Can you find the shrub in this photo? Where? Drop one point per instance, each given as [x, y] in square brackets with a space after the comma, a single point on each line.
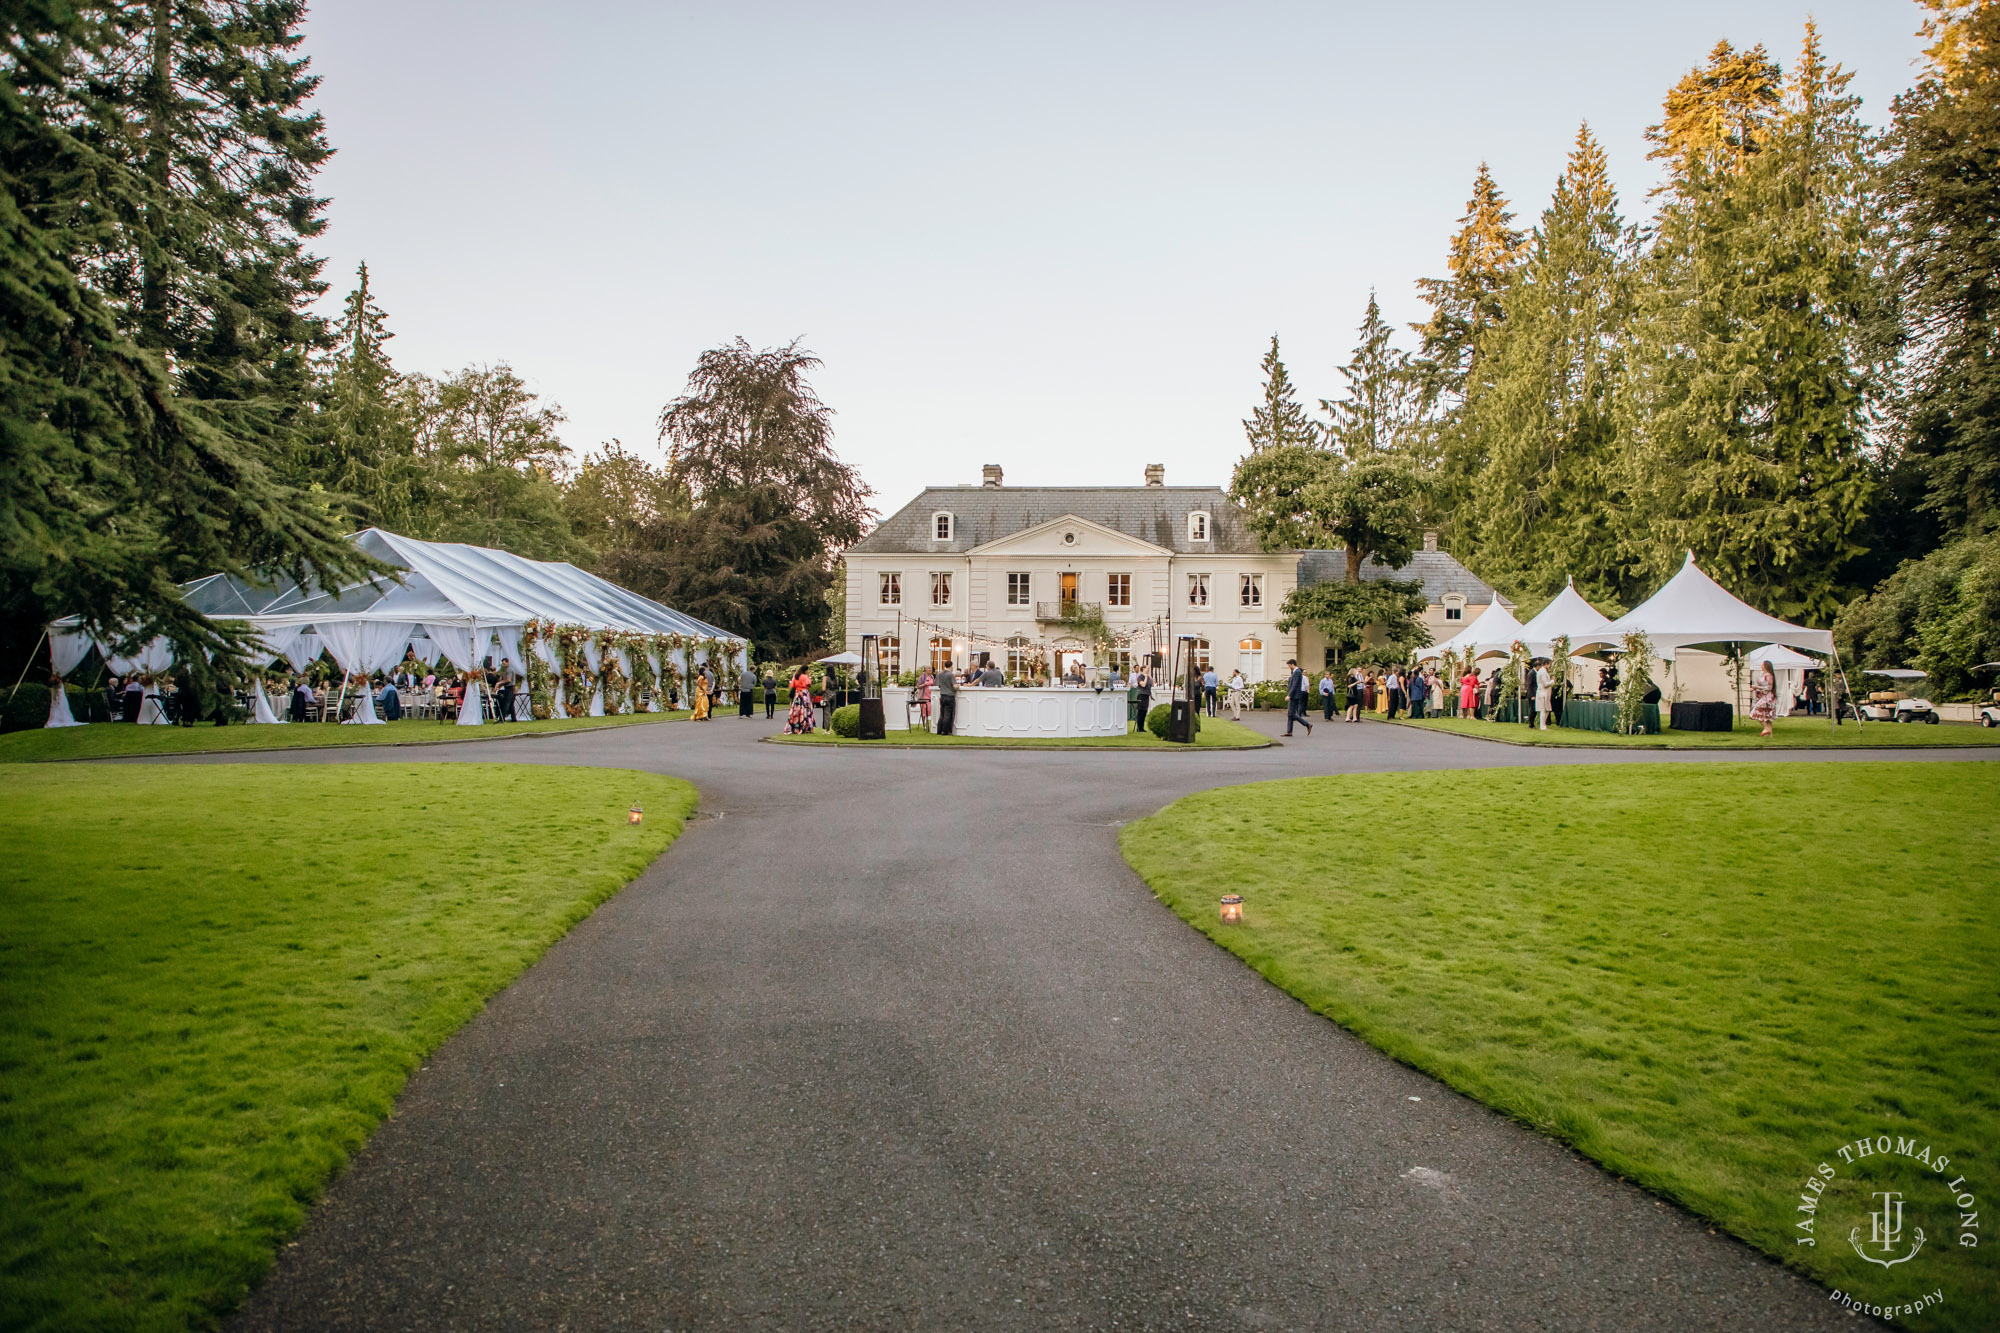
[1156, 721]
[846, 720]
[28, 708]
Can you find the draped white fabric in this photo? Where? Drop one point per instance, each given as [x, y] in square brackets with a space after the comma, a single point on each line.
[278, 642]
[151, 712]
[153, 658]
[591, 659]
[366, 645]
[260, 704]
[59, 714]
[66, 649]
[456, 642]
[303, 651]
[364, 710]
[510, 649]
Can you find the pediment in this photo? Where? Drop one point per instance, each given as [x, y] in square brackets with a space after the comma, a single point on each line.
[1069, 535]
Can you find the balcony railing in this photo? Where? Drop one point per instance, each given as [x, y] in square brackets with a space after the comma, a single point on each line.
[1069, 609]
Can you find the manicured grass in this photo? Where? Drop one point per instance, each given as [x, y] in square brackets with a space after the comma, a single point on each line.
[1789, 733]
[214, 981]
[1707, 977]
[103, 740]
[1215, 734]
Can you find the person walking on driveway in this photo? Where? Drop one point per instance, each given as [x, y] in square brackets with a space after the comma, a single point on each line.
[1328, 693]
[746, 692]
[1295, 698]
[770, 694]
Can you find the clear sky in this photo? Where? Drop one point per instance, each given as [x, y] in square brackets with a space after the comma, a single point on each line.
[1055, 237]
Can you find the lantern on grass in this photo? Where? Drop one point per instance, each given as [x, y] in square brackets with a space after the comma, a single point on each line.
[1232, 909]
[634, 815]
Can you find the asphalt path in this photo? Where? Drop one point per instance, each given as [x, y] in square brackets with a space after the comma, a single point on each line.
[896, 1040]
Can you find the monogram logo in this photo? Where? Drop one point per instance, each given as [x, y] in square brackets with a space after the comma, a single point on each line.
[1885, 1231]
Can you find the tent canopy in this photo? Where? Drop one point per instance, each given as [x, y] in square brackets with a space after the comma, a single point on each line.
[444, 591]
[842, 659]
[1493, 633]
[1568, 615]
[1781, 658]
[1693, 610]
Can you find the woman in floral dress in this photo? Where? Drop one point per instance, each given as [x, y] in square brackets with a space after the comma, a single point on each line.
[1764, 696]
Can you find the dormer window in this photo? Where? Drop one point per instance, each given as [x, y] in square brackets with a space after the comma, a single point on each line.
[1198, 526]
[1454, 607]
[941, 526]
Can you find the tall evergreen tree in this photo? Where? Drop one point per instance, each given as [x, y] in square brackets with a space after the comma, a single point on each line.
[158, 160]
[1946, 177]
[1538, 419]
[1481, 261]
[1278, 421]
[1757, 356]
[1379, 410]
[361, 445]
[1719, 115]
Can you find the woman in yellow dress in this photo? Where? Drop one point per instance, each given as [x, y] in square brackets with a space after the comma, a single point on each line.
[700, 696]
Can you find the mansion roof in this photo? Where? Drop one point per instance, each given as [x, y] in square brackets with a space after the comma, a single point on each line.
[1440, 572]
[982, 514]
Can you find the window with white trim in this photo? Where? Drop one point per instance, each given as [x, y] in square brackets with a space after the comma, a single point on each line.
[1197, 590]
[1454, 607]
[940, 587]
[941, 653]
[941, 526]
[1201, 657]
[892, 589]
[1021, 659]
[1020, 589]
[1198, 526]
[1251, 588]
[1119, 590]
[889, 650]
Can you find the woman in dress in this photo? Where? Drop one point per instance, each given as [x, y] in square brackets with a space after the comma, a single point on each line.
[799, 721]
[700, 697]
[1544, 696]
[1764, 696]
[1468, 692]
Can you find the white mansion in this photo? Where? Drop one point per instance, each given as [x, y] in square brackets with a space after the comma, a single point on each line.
[1025, 572]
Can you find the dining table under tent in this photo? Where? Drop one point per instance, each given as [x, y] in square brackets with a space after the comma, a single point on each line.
[464, 604]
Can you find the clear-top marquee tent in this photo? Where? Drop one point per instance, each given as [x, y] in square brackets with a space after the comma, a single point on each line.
[464, 603]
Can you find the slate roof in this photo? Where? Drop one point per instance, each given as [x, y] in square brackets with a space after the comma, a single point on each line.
[981, 514]
[1441, 574]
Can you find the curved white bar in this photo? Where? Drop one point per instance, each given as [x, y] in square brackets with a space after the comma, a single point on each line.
[1037, 713]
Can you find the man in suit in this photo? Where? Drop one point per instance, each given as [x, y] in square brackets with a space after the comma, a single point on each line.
[1295, 701]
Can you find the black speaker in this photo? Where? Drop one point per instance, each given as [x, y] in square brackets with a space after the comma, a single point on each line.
[1180, 723]
[870, 727]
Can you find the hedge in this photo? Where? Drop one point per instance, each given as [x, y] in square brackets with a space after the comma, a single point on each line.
[28, 707]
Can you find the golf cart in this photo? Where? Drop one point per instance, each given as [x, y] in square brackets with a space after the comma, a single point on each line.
[1895, 704]
[1988, 709]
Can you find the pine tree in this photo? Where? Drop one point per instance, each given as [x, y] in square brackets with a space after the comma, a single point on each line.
[1279, 420]
[1379, 410]
[361, 445]
[1538, 418]
[1718, 116]
[1484, 253]
[154, 229]
[1946, 177]
[1757, 355]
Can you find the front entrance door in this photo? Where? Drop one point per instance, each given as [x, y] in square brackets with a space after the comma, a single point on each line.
[1069, 590]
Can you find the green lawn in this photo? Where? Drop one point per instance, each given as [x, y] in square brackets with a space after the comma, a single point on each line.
[112, 739]
[1790, 733]
[1215, 734]
[1707, 977]
[215, 980]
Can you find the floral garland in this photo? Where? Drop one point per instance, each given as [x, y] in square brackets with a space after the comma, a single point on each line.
[1559, 667]
[1635, 678]
[644, 681]
[541, 686]
[1513, 677]
[611, 676]
[577, 681]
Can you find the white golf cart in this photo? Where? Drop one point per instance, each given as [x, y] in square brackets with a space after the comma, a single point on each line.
[1988, 709]
[1895, 704]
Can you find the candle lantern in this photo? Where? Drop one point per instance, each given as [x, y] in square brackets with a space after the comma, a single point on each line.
[1232, 909]
[634, 815]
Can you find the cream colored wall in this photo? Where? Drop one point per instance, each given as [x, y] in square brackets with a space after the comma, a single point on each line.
[979, 597]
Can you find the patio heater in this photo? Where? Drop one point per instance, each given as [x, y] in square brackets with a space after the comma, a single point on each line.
[1180, 722]
[871, 726]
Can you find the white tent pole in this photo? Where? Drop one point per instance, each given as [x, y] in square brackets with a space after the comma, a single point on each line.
[30, 662]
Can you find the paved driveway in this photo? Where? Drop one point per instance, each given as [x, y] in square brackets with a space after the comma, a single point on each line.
[896, 1040]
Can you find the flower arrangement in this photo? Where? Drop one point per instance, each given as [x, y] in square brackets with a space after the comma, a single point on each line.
[1559, 665]
[1635, 678]
[1513, 677]
[578, 682]
[644, 679]
[611, 676]
[541, 686]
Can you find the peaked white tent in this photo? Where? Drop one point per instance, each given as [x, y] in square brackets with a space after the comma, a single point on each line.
[1693, 610]
[1569, 615]
[447, 598]
[1493, 634]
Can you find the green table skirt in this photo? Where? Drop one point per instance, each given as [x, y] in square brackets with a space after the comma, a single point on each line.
[1602, 715]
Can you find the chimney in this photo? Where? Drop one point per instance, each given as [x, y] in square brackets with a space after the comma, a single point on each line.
[1156, 474]
[1430, 541]
[990, 475]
